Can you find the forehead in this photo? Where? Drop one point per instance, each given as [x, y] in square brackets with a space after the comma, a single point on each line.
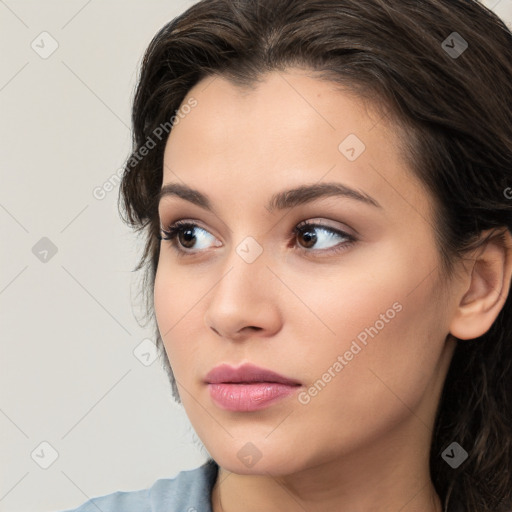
[289, 128]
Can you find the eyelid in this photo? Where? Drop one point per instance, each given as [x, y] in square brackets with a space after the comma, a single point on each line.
[186, 220]
[344, 229]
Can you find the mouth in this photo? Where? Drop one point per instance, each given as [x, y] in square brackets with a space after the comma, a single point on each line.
[246, 374]
[248, 388]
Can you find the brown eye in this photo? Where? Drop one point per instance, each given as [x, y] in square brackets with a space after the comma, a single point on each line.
[186, 237]
[317, 237]
[309, 237]
[183, 237]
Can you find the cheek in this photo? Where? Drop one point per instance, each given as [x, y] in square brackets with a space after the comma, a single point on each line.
[177, 300]
[388, 342]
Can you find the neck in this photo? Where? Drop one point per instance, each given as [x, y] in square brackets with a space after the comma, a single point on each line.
[384, 476]
[242, 493]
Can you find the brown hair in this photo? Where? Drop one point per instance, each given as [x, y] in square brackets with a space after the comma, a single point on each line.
[452, 102]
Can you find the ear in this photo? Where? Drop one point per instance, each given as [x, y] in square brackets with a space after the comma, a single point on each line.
[485, 287]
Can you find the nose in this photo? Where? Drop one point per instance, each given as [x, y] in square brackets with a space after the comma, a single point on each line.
[244, 302]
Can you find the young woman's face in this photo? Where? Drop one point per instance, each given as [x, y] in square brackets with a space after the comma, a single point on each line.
[347, 308]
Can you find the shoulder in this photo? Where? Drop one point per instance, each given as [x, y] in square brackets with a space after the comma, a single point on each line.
[189, 491]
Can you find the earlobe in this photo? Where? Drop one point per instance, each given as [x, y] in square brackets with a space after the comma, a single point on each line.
[485, 289]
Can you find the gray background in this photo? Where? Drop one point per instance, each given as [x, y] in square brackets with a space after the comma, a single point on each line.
[76, 373]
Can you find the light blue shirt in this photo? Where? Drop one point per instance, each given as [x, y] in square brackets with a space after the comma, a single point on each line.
[188, 491]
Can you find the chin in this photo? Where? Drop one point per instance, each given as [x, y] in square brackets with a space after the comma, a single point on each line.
[258, 459]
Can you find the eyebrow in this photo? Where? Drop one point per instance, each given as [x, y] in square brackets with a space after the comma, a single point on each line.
[279, 201]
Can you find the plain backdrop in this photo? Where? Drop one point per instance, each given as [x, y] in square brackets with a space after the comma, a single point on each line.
[85, 409]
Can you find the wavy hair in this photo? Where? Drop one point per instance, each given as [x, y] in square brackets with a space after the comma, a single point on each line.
[453, 106]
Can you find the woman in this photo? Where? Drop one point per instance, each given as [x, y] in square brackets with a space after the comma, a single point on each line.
[328, 253]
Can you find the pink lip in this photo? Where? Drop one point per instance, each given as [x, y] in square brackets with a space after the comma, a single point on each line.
[247, 388]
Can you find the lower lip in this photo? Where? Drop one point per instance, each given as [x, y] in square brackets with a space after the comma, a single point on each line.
[249, 397]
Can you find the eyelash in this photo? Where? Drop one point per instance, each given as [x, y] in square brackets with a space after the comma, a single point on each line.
[173, 230]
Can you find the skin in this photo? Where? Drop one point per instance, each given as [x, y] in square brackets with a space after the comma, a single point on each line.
[362, 443]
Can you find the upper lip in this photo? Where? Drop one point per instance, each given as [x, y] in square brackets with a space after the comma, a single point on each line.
[225, 373]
